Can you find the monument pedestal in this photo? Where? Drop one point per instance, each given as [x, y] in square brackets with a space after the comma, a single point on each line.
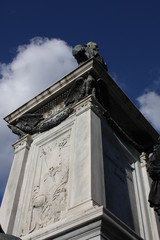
[77, 175]
[96, 223]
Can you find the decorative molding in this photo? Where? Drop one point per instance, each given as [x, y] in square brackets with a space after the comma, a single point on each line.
[24, 142]
[87, 222]
[54, 106]
[33, 123]
[82, 88]
[83, 105]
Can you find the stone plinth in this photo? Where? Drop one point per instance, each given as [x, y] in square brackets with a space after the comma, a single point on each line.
[78, 175]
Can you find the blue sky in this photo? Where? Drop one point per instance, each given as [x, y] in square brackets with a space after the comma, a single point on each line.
[127, 33]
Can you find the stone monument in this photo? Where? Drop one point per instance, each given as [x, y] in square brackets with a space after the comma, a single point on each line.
[79, 169]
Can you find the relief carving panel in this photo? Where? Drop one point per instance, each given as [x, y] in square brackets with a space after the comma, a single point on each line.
[48, 202]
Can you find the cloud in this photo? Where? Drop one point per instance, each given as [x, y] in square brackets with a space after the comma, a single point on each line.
[36, 66]
[149, 105]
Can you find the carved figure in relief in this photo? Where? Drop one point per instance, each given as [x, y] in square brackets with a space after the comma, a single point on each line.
[47, 208]
[38, 201]
[51, 173]
[49, 198]
[81, 88]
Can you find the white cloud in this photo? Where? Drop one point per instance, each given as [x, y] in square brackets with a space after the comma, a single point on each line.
[150, 107]
[35, 67]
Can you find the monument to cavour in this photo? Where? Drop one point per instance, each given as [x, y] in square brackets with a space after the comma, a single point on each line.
[80, 164]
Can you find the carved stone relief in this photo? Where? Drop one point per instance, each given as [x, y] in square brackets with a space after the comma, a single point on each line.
[33, 123]
[48, 201]
[53, 107]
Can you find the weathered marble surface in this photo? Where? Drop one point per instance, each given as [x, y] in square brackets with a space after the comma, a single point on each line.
[71, 170]
[64, 179]
[13, 190]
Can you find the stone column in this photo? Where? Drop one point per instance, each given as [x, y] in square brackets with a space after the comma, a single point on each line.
[148, 215]
[87, 178]
[11, 196]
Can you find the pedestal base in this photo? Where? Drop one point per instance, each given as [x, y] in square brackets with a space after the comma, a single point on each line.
[96, 223]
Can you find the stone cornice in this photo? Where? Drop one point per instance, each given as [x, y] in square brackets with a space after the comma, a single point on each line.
[119, 106]
[51, 92]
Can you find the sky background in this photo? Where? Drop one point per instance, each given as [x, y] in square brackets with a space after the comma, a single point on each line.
[36, 41]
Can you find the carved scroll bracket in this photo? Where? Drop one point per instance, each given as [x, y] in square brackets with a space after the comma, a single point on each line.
[24, 142]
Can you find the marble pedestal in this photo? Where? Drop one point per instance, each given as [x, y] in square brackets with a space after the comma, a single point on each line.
[79, 180]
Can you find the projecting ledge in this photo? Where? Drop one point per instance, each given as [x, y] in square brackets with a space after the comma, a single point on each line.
[95, 222]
